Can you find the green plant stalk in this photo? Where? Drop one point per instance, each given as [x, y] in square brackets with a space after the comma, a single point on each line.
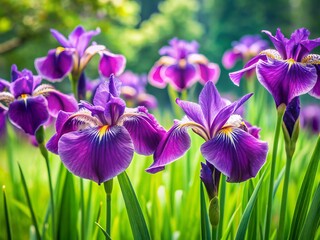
[222, 198]
[214, 233]
[205, 230]
[83, 225]
[74, 85]
[108, 189]
[6, 213]
[280, 232]
[280, 111]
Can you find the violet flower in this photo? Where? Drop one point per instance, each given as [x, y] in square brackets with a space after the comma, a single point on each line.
[29, 105]
[104, 135]
[181, 66]
[229, 147]
[310, 118]
[133, 90]
[74, 54]
[290, 70]
[247, 47]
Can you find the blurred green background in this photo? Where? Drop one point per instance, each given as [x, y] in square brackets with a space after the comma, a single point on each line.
[139, 28]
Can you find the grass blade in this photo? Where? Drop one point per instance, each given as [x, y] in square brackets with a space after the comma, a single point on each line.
[33, 216]
[137, 221]
[103, 231]
[205, 227]
[6, 213]
[304, 197]
[247, 212]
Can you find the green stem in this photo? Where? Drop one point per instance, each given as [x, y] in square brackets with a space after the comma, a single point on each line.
[74, 86]
[280, 111]
[108, 189]
[284, 198]
[205, 229]
[6, 212]
[83, 225]
[214, 233]
[222, 198]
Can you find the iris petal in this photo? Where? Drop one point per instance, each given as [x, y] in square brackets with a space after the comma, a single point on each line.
[236, 154]
[315, 91]
[230, 58]
[209, 72]
[111, 64]
[23, 85]
[155, 77]
[29, 114]
[192, 110]
[101, 154]
[60, 38]
[286, 80]
[114, 110]
[173, 145]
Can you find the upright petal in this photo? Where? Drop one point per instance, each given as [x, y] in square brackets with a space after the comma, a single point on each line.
[236, 154]
[4, 85]
[192, 110]
[60, 38]
[173, 145]
[209, 72]
[285, 80]
[23, 85]
[155, 77]
[279, 41]
[114, 110]
[29, 113]
[111, 64]
[230, 58]
[84, 40]
[98, 154]
[291, 115]
[55, 66]
[144, 130]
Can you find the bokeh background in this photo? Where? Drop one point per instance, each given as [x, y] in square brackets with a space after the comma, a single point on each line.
[139, 28]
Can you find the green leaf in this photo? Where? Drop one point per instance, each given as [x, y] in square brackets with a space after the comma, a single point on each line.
[33, 216]
[312, 221]
[205, 227]
[247, 212]
[228, 230]
[136, 218]
[103, 231]
[6, 213]
[304, 197]
[67, 221]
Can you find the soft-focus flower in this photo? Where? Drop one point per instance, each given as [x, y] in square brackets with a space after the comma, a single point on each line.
[290, 70]
[247, 47]
[181, 66]
[28, 104]
[310, 118]
[229, 147]
[104, 135]
[74, 54]
[133, 90]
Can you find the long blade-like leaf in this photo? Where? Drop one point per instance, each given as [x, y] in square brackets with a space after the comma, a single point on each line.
[6, 213]
[103, 231]
[205, 227]
[304, 197]
[137, 221]
[247, 212]
[33, 216]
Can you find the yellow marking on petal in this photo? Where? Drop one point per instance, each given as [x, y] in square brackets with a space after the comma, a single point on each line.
[271, 53]
[182, 63]
[311, 59]
[226, 130]
[102, 131]
[59, 50]
[24, 96]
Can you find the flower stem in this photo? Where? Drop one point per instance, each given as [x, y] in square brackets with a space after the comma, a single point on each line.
[108, 189]
[280, 111]
[284, 198]
[83, 225]
[214, 233]
[74, 86]
[222, 198]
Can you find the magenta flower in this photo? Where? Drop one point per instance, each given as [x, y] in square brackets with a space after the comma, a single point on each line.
[28, 104]
[74, 54]
[290, 70]
[133, 90]
[104, 135]
[247, 47]
[310, 118]
[181, 66]
[229, 147]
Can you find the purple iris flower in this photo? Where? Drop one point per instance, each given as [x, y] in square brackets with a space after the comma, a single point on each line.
[229, 147]
[182, 66]
[247, 47]
[310, 118]
[104, 135]
[74, 54]
[30, 105]
[290, 70]
[133, 90]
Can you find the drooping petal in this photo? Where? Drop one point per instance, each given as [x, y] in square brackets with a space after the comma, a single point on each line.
[144, 130]
[29, 113]
[55, 66]
[249, 66]
[236, 154]
[180, 77]
[99, 153]
[315, 91]
[230, 58]
[155, 77]
[4, 85]
[111, 64]
[210, 102]
[285, 80]
[209, 72]
[192, 110]
[114, 110]
[60, 38]
[173, 145]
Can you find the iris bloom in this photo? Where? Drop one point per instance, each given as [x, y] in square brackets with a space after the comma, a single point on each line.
[133, 89]
[104, 135]
[181, 66]
[310, 118]
[247, 47]
[74, 54]
[28, 104]
[228, 146]
[289, 70]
